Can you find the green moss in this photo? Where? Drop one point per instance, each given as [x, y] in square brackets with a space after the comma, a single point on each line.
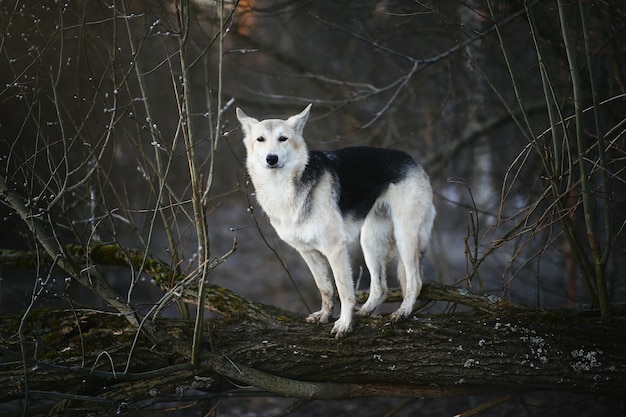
[19, 259]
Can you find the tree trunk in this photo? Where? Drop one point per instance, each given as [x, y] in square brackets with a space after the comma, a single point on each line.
[79, 358]
[89, 361]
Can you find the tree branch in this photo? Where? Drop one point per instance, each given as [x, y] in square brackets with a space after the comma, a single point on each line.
[219, 299]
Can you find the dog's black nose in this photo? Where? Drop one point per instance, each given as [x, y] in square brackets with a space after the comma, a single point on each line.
[271, 159]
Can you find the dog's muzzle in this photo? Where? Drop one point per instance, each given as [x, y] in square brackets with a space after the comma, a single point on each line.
[272, 161]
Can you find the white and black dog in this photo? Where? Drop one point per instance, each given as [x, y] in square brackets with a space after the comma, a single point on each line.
[319, 203]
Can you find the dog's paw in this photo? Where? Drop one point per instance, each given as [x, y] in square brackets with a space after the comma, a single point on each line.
[341, 328]
[363, 312]
[399, 315]
[319, 317]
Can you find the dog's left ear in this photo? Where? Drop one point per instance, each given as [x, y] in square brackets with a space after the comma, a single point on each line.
[298, 121]
[245, 120]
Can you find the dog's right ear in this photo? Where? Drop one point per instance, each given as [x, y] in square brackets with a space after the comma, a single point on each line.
[246, 121]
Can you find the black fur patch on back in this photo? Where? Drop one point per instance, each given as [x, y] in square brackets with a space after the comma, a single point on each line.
[360, 174]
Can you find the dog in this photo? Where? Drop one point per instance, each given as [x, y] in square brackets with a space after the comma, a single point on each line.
[319, 202]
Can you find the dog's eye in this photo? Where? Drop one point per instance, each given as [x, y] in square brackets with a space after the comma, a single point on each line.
[260, 139]
[282, 138]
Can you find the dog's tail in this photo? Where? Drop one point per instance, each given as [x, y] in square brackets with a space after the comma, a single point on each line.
[426, 228]
[424, 235]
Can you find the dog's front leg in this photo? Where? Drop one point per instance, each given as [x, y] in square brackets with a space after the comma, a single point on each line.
[340, 264]
[321, 273]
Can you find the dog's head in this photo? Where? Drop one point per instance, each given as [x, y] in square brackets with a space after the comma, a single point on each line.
[274, 143]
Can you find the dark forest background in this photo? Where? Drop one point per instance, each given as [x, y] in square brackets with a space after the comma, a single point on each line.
[117, 126]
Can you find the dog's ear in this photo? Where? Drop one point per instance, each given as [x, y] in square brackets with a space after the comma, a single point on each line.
[298, 121]
[246, 121]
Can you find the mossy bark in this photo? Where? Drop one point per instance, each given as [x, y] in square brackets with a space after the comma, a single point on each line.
[90, 361]
[80, 358]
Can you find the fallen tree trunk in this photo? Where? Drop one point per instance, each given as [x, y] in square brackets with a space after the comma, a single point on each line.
[89, 361]
[93, 359]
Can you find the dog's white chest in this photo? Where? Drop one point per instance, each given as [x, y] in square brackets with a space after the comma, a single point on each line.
[303, 221]
[300, 236]
[291, 222]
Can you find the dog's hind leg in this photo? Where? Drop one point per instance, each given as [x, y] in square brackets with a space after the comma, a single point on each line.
[408, 249]
[376, 242]
[322, 274]
[411, 230]
[412, 213]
